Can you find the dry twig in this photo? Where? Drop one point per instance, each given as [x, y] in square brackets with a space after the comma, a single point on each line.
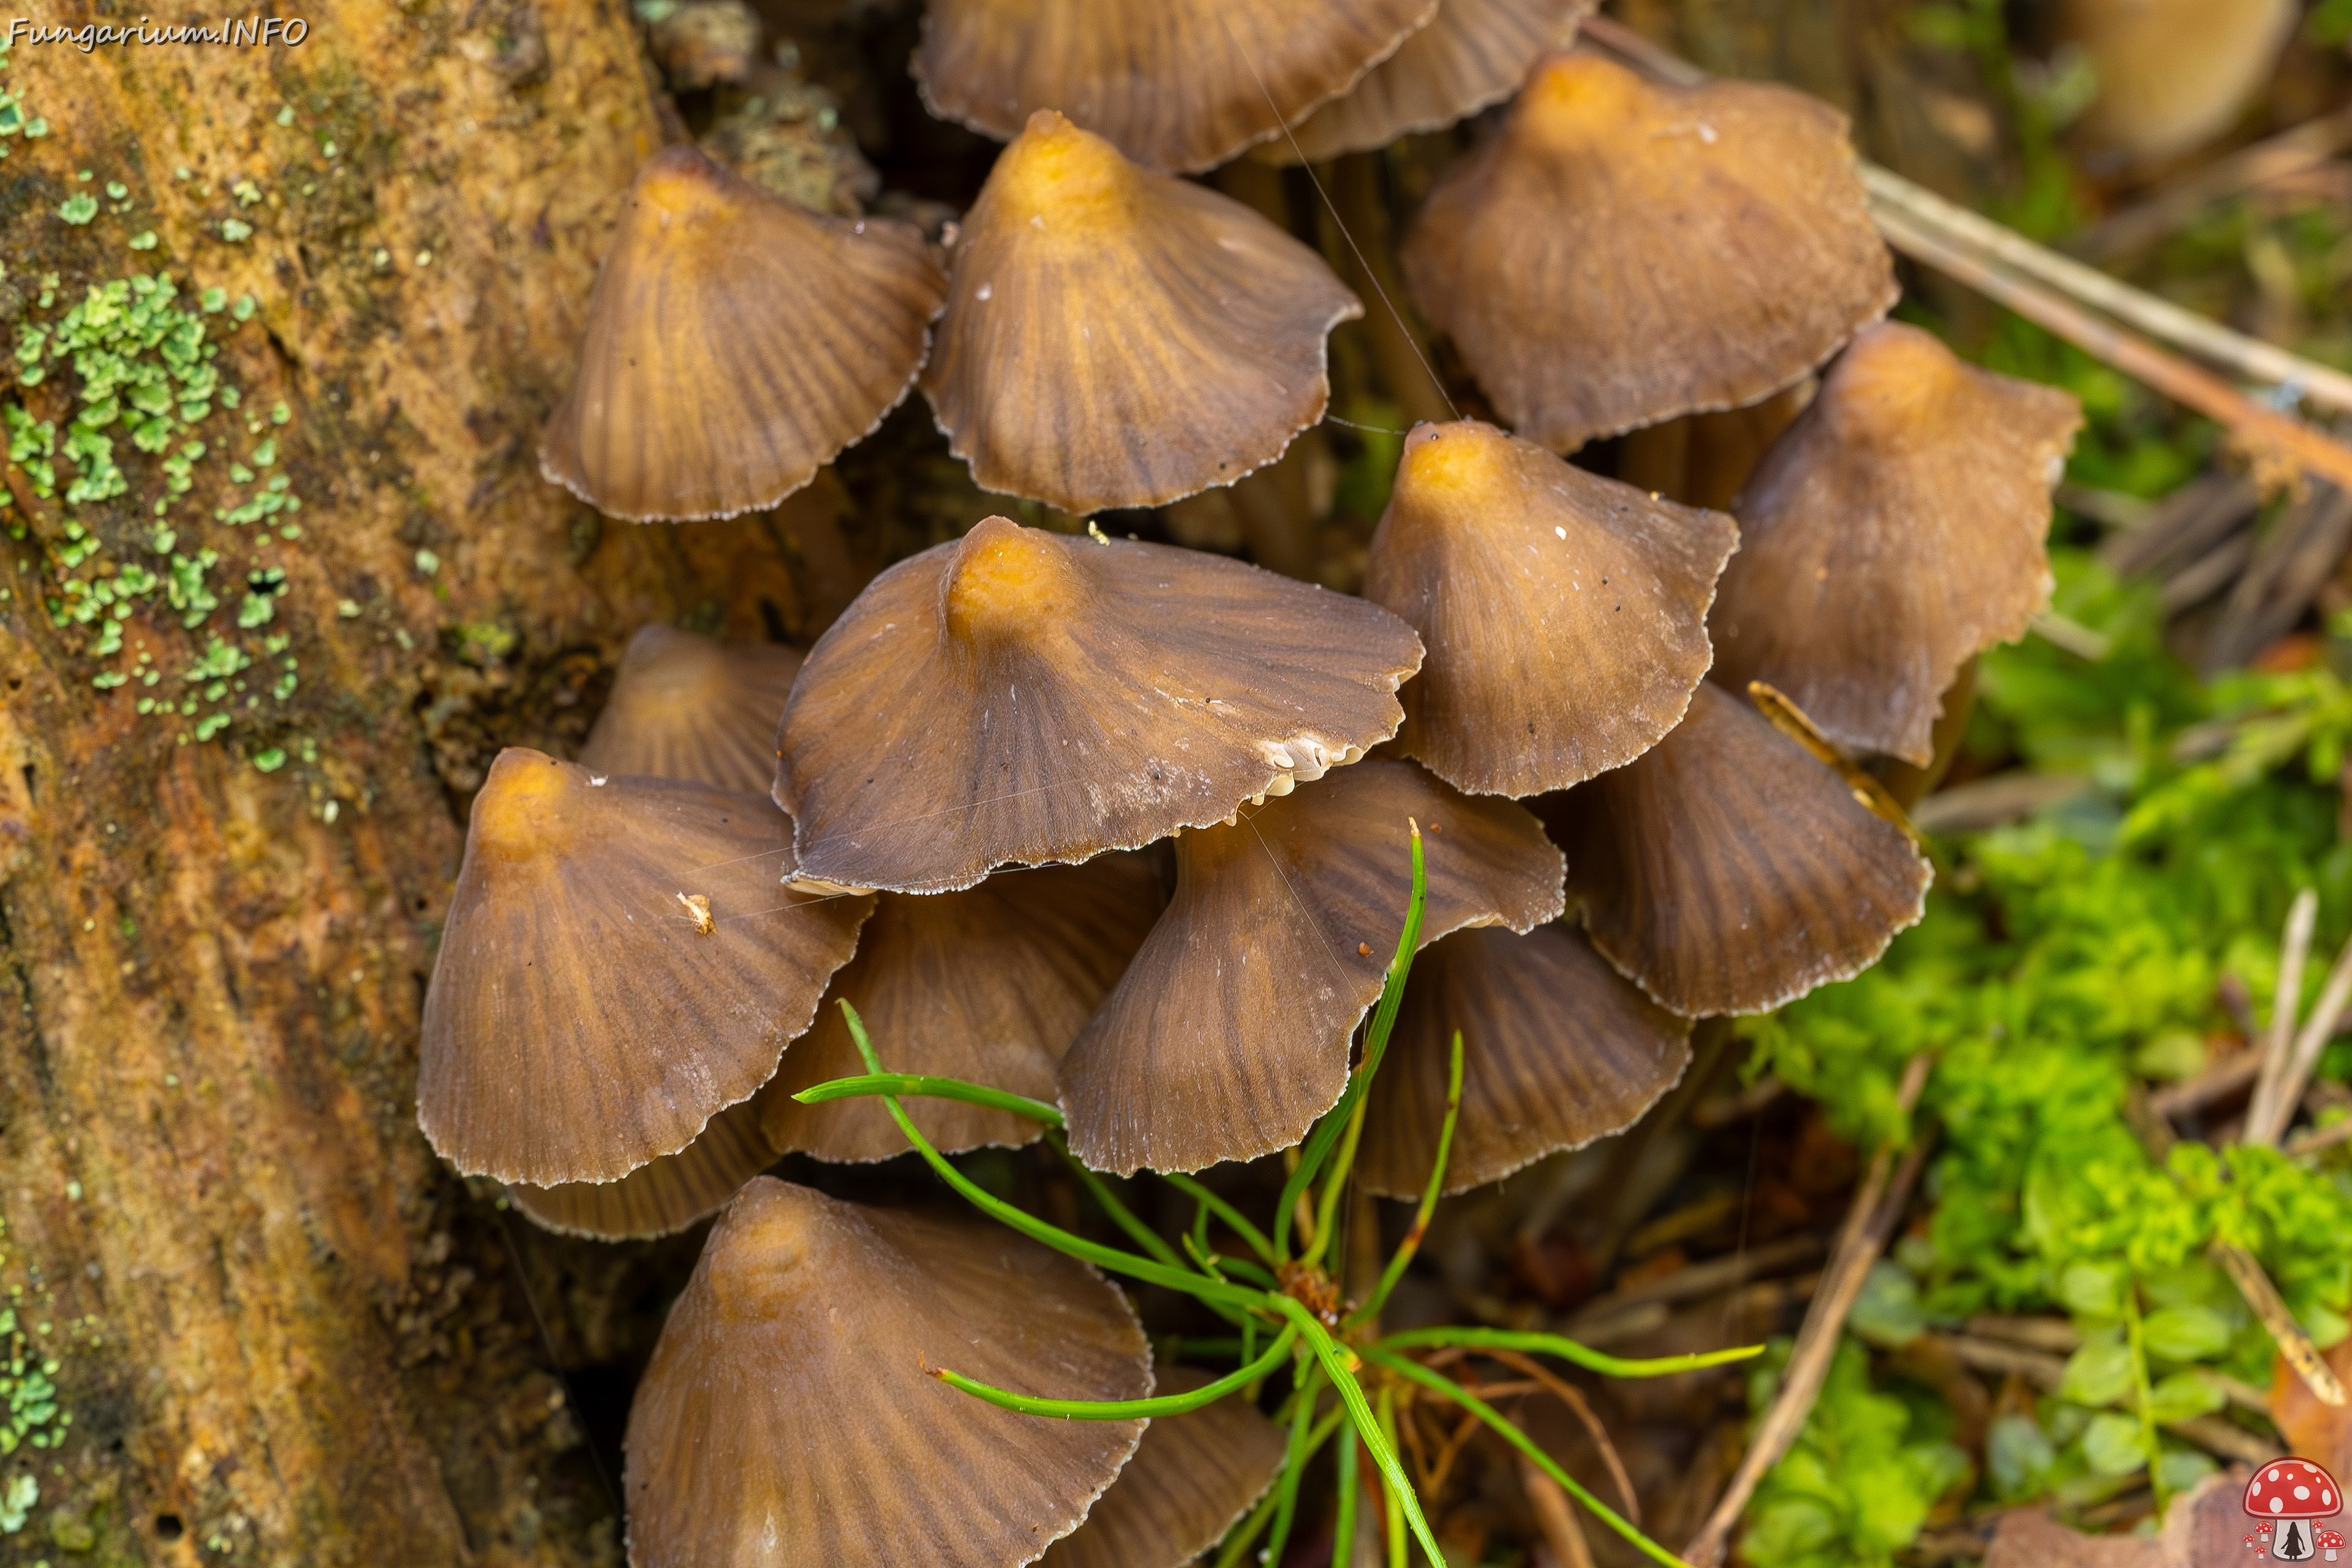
[1877, 1207]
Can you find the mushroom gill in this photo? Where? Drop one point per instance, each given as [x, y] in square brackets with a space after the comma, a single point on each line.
[1015, 696]
[1892, 534]
[735, 342]
[990, 985]
[1558, 1049]
[621, 962]
[1228, 1035]
[1563, 615]
[1180, 85]
[1726, 870]
[789, 1417]
[683, 706]
[1119, 338]
[1473, 53]
[1624, 252]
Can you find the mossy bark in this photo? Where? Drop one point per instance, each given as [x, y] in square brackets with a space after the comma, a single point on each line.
[283, 1332]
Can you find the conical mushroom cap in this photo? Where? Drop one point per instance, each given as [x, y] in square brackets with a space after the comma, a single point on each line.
[1016, 697]
[788, 1418]
[581, 1022]
[1893, 532]
[685, 708]
[1564, 615]
[1180, 85]
[1558, 1049]
[990, 985]
[1471, 54]
[1228, 1035]
[735, 342]
[665, 1196]
[1625, 252]
[1119, 338]
[1726, 870]
[1192, 1478]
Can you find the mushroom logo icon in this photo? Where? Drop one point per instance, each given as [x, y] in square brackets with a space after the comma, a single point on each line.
[2331, 1541]
[2291, 1493]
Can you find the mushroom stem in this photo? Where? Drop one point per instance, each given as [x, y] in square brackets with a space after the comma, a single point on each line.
[1878, 1207]
[1400, 346]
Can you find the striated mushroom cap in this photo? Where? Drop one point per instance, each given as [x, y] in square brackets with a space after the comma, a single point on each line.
[1192, 1478]
[582, 1021]
[1228, 1035]
[1726, 870]
[665, 1196]
[787, 1417]
[1892, 533]
[683, 706]
[1558, 1049]
[1119, 338]
[990, 985]
[1014, 697]
[1624, 252]
[1473, 53]
[1564, 615]
[1180, 85]
[735, 342]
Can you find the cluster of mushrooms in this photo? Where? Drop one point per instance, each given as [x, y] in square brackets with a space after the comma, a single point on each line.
[1126, 826]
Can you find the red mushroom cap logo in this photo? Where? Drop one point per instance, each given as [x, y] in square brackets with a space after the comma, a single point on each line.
[2293, 1488]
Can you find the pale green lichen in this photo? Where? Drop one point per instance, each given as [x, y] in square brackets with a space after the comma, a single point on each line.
[78, 209]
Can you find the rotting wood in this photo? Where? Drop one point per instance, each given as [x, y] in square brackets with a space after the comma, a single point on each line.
[314, 1348]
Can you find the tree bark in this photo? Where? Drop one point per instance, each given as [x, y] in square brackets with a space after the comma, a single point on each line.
[283, 1332]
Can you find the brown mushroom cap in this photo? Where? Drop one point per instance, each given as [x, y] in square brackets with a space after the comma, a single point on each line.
[1564, 615]
[1892, 533]
[1180, 85]
[665, 1196]
[1192, 1478]
[579, 1023]
[1117, 338]
[1228, 1035]
[787, 1419]
[1625, 252]
[1016, 697]
[1726, 870]
[1471, 54]
[990, 985]
[736, 344]
[683, 706]
[1558, 1049]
